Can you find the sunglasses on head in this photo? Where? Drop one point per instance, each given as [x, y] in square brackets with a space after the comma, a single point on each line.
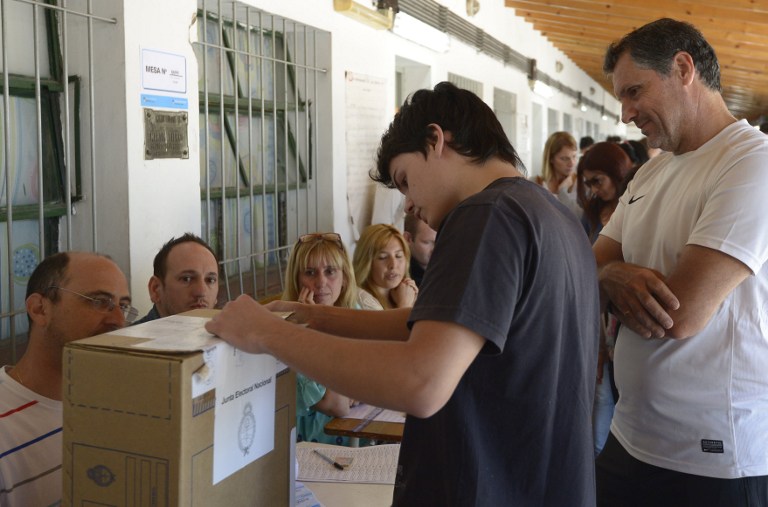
[321, 236]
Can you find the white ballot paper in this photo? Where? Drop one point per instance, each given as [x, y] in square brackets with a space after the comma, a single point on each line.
[245, 409]
[174, 333]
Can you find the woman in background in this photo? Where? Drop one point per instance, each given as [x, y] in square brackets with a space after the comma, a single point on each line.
[601, 179]
[381, 263]
[602, 173]
[319, 272]
[557, 175]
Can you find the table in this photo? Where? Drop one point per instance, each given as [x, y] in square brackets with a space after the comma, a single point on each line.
[373, 430]
[336, 494]
[340, 494]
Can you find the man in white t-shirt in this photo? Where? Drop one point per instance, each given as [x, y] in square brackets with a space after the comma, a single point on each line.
[70, 295]
[680, 265]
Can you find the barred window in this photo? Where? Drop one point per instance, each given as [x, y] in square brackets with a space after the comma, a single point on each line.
[261, 79]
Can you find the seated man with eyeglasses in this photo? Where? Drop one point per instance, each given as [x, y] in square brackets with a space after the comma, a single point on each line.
[70, 295]
[186, 277]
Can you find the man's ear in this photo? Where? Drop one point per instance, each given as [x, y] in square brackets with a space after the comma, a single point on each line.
[38, 308]
[408, 237]
[682, 64]
[155, 287]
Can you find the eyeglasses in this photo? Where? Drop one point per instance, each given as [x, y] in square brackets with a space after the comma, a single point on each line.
[104, 304]
[322, 236]
[597, 181]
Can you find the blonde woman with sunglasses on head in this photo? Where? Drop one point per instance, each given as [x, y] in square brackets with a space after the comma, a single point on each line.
[319, 272]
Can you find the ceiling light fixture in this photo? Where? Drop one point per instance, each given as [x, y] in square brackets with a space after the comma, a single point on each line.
[380, 19]
[541, 89]
[421, 33]
[579, 104]
[538, 87]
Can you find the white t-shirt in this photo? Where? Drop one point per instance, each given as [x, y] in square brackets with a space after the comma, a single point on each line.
[699, 405]
[30, 446]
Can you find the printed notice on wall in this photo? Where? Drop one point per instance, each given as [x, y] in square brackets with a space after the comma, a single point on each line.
[244, 427]
[366, 121]
[163, 71]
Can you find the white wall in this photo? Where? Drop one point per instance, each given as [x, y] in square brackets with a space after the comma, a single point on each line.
[163, 194]
[361, 49]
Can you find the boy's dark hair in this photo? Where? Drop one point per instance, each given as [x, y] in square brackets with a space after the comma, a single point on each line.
[161, 259]
[475, 130]
[652, 46]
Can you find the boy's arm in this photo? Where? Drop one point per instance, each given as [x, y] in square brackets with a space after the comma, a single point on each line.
[417, 376]
[369, 324]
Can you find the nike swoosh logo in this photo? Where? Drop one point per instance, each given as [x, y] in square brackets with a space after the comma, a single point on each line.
[635, 199]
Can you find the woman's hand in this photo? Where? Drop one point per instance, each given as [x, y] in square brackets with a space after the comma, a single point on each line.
[568, 183]
[404, 295]
[307, 296]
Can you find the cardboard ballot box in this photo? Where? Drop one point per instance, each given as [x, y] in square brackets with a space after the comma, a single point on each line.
[139, 429]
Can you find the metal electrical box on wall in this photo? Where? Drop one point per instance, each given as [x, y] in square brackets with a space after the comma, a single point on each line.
[165, 134]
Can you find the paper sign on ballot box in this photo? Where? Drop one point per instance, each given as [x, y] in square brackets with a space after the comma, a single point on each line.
[245, 409]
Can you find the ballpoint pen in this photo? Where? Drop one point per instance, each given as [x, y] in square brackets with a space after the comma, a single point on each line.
[328, 459]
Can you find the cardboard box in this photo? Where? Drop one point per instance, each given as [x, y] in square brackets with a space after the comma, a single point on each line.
[134, 435]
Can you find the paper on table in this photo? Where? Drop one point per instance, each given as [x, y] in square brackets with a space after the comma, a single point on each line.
[368, 412]
[374, 464]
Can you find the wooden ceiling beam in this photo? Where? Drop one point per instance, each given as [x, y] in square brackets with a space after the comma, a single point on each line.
[626, 19]
[726, 38]
[649, 10]
[738, 30]
[747, 5]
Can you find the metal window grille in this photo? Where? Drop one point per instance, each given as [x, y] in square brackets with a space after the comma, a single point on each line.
[260, 145]
[261, 79]
[505, 107]
[47, 145]
[553, 120]
[466, 83]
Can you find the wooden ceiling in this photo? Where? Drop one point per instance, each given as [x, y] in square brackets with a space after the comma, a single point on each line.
[737, 29]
